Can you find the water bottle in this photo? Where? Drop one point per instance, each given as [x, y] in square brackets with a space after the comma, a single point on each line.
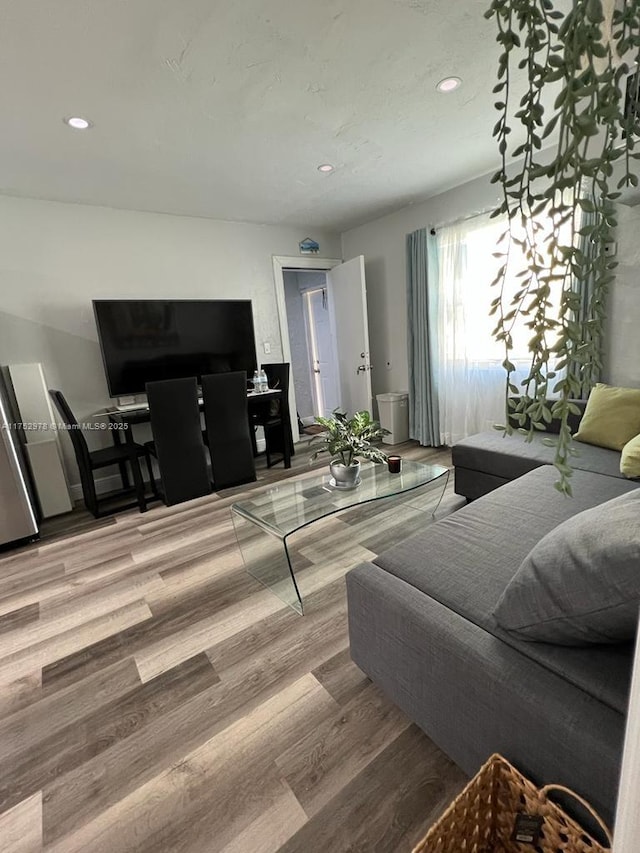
[264, 382]
[256, 382]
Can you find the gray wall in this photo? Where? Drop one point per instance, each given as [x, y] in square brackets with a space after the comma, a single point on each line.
[55, 258]
[622, 354]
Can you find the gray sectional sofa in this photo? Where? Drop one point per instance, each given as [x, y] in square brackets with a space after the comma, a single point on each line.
[422, 627]
[487, 460]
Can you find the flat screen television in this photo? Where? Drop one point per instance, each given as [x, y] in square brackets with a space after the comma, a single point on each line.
[146, 340]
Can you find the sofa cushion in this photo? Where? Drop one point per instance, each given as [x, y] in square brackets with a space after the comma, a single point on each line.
[510, 456]
[612, 417]
[466, 560]
[581, 583]
[630, 458]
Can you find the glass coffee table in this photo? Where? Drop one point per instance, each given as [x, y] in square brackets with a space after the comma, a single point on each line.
[264, 523]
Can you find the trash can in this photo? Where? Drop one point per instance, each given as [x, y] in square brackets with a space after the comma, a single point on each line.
[394, 416]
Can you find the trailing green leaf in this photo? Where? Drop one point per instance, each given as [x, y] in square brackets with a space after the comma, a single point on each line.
[590, 132]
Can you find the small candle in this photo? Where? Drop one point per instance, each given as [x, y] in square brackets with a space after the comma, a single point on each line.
[395, 464]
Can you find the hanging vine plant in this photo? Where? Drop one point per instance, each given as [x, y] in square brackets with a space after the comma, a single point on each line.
[563, 176]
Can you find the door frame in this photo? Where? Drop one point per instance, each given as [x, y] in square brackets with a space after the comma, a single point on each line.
[280, 264]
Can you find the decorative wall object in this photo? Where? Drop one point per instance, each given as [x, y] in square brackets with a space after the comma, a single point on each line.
[309, 246]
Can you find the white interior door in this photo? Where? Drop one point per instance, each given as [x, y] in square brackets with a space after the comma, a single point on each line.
[322, 353]
[348, 301]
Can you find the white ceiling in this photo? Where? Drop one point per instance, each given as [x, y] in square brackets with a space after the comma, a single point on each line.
[225, 109]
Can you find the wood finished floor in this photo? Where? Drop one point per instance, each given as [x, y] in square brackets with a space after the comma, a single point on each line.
[154, 697]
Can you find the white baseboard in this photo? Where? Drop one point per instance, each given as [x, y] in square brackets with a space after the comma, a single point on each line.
[112, 483]
[103, 485]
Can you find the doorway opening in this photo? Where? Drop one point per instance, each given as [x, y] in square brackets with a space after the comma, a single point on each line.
[314, 358]
[339, 350]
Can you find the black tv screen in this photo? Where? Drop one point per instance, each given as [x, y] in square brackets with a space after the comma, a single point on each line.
[146, 340]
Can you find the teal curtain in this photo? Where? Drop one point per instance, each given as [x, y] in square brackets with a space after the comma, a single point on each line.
[422, 313]
[587, 374]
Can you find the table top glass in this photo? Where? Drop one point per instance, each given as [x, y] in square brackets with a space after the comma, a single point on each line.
[296, 502]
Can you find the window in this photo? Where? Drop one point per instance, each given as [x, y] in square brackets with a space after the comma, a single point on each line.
[470, 376]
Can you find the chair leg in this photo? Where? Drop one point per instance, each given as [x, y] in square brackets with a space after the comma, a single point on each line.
[89, 493]
[138, 482]
[267, 449]
[122, 466]
[152, 479]
[124, 475]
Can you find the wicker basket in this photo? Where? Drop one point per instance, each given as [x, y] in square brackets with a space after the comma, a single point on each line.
[482, 818]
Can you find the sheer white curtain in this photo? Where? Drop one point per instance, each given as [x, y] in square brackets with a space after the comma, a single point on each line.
[471, 379]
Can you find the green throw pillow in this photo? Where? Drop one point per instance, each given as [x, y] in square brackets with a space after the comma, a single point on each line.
[611, 418]
[630, 459]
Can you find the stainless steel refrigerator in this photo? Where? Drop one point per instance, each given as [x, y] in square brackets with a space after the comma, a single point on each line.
[18, 521]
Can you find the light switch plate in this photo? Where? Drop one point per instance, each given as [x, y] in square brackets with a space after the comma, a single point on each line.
[267, 348]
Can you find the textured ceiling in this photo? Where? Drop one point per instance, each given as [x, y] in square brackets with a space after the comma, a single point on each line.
[224, 109]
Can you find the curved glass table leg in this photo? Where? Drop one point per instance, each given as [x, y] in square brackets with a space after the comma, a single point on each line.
[444, 489]
[267, 559]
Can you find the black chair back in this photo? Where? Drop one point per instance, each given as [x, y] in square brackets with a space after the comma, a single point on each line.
[278, 377]
[177, 438]
[80, 448]
[78, 440]
[228, 433]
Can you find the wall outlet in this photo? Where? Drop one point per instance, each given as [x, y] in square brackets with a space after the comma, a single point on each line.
[267, 348]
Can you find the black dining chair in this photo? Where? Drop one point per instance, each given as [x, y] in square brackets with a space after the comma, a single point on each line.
[228, 434]
[273, 416]
[92, 460]
[177, 439]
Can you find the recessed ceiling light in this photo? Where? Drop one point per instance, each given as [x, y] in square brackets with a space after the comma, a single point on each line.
[326, 167]
[77, 123]
[449, 84]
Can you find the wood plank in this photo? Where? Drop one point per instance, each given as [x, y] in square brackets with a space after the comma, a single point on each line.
[21, 827]
[20, 617]
[60, 583]
[341, 678]
[96, 784]
[24, 661]
[29, 576]
[183, 644]
[178, 809]
[100, 724]
[389, 806]
[21, 731]
[88, 596]
[329, 757]
[272, 828]
[173, 613]
[20, 693]
[285, 635]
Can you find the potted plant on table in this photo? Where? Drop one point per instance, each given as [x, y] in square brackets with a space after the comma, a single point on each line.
[348, 440]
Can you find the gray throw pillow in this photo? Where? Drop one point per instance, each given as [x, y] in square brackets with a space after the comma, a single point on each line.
[581, 583]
